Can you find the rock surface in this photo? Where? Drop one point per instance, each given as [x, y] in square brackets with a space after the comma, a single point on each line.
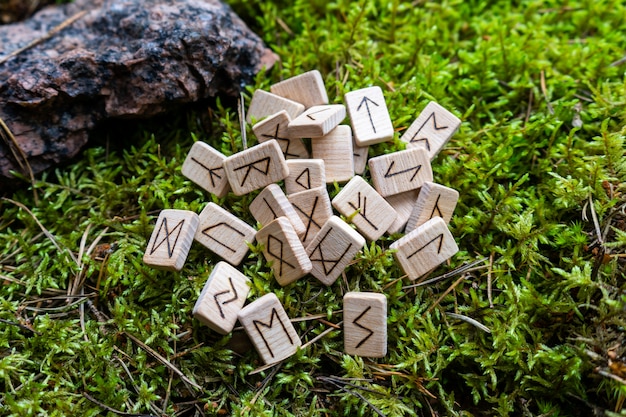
[121, 59]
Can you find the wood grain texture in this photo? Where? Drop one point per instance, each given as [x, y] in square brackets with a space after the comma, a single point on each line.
[307, 88]
[305, 174]
[268, 327]
[275, 127]
[204, 166]
[332, 249]
[401, 171]
[224, 234]
[432, 129]
[360, 154]
[403, 204]
[272, 203]
[367, 210]
[313, 207]
[425, 248]
[434, 200]
[369, 116]
[282, 247]
[336, 151]
[255, 167]
[222, 297]
[171, 240]
[317, 121]
[365, 324]
[265, 104]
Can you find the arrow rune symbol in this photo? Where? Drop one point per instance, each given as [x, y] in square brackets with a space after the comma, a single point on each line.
[328, 262]
[281, 140]
[435, 126]
[315, 112]
[216, 296]
[362, 209]
[439, 236]
[388, 174]
[212, 172]
[253, 166]
[279, 255]
[168, 233]
[367, 107]
[356, 322]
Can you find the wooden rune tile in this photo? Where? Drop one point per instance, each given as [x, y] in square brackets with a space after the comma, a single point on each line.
[305, 174]
[275, 127]
[403, 204]
[223, 295]
[365, 324]
[434, 200]
[432, 129]
[317, 121]
[332, 249]
[282, 247]
[360, 157]
[401, 171]
[336, 151]
[425, 248]
[171, 240]
[369, 116]
[313, 207]
[365, 208]
[224, 234]
[307, 88]
[270, 330]
[203, 165]
[256, 167]
[265, 104]
[272, 203]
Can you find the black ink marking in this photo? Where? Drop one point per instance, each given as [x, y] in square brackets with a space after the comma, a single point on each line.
[168, 233]
[224, 224]
[309, 217]
[258, 323]
[439, 236]
[362, 209]
[306, 174]
[369, 114]
[253, 166]
[216, 296]
[279, 255]
[267, 203]
[327, 262]
[212, 172]
[432, 213]
[356, 322]
[414, 138]
[388, 174]
[315, 112]
[281, 141]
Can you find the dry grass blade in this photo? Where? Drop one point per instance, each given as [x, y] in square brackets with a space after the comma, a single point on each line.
[321, 335]
[460, 270]
[19, 155]
[470, 320]
[113, 410]
[342, 387]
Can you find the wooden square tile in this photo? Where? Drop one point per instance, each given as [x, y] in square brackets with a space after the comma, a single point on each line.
[317, 121]
[272, 203]
[432, 129]
[336, 150]
[275, 127]
[401, 171]
[171, 240]
[204, 166]
[365, 324]
[403, 204]
[434, 200]
[313, 207]
[369, 116]
[305, 174]
[265, 104]
[360, 157]
[307, 88]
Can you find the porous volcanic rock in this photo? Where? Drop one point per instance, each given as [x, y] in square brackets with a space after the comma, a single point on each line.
[121, 59]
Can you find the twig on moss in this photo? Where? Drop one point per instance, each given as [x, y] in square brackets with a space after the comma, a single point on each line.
[113, 410]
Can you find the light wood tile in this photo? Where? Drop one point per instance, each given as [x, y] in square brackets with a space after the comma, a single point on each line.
[317, 121]
[265, 104]
[332, 249]
[313, 207]
[425, 248]
[434, 200]
[432, 129]
[275, 127]
[360, 157]
[222, 297]
[402, 171]
[256, 167]
[336, 151]
[365, 208]
[282, 247]
[403, 204]
[224, 234]
[203, 165]
[305, 174]
[307, 88]
[171, 240]
[270, 330]
[365, 324]
[369, 116]
[272, 203]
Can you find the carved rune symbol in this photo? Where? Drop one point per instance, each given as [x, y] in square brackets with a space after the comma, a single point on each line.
[356, 322]
[439, 236]
[272, 243]
[263, 162]
[362, 208]
[389, 174]
[326, 263]
[432, 116]
[369, 114]
[304, 176]
[168, 233]
[267, 203]
[212, 172]
[258, 324]
[432, 213]
[281, 141]
[310, 115]
[309, 217]
[222, 224]
[216, 296]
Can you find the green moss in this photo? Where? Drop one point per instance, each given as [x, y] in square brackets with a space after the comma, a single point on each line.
[530, 183]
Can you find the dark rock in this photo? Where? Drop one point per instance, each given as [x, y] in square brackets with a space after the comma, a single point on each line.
[121, 59]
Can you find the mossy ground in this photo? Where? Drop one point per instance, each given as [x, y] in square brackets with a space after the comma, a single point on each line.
[539, 156]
